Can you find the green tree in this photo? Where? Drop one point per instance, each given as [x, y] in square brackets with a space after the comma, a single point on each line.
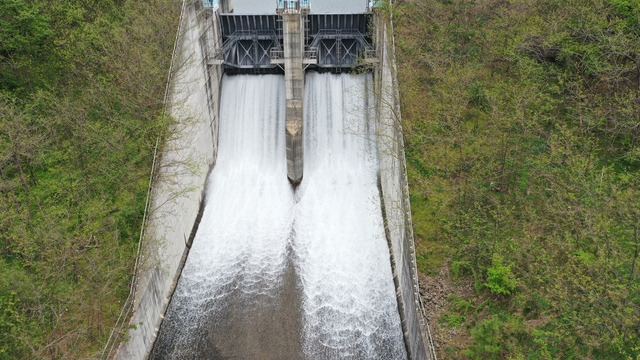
[25, 39]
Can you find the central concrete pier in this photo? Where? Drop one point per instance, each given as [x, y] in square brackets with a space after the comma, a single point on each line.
[293, 14]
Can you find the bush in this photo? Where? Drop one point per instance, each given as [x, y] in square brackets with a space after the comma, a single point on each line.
[500, 279]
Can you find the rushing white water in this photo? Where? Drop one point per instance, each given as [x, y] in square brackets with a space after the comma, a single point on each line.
[286, 274]
[240, 249]
[349, 304]
[244, 231]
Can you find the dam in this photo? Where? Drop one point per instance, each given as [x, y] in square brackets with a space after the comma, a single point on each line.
[295, 241]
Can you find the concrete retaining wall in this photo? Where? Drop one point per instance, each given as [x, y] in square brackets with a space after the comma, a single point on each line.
[181, 171]
[395, 198]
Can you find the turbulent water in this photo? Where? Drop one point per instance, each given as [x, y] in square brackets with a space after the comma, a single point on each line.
[277, 273]
[239, 255]
[349, 305]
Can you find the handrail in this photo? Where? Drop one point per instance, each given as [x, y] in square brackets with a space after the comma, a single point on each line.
[277, 54]
[128, 304]
[234, 36]
[292, 4]
[311, 54]
[251, 32]
[419, 305]
[218, 53]
[334, 33]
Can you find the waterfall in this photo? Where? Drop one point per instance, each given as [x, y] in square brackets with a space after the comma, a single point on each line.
[349, 304]
[275, 273]
[234, 275]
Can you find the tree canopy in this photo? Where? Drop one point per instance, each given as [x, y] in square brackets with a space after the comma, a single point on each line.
[81, 91]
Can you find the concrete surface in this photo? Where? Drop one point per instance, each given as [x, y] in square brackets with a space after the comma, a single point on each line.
[395, 198]
[293, 33]
[260, 326]
[184, 163]
[191, 151]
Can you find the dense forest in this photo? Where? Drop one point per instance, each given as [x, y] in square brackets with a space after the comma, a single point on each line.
[82, 84]
[522, 131]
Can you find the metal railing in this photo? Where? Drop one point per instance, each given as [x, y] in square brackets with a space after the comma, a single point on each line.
[240, 35]
[276, 55]
[292, 5]
[311, 54]
[366, 52]
[341, 33]
[370, 54]
[210, 3]
[127, 307]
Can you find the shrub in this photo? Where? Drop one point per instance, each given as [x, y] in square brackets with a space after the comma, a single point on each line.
[500, 279]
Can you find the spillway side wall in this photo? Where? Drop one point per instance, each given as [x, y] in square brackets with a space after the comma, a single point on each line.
[186, 157]
[395, 197]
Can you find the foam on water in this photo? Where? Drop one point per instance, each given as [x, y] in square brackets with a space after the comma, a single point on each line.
[241, 245]
[284, 274]
[349, 304]
[249, 207]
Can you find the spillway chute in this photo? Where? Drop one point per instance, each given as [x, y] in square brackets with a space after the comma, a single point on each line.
[289, 272]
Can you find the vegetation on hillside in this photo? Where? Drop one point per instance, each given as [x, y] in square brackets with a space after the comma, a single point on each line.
[81, 90]
[522, 130]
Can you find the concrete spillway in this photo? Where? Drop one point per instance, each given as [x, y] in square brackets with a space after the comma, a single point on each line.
[274, 273]
[349, 305]
[233, 294]
[251, 289]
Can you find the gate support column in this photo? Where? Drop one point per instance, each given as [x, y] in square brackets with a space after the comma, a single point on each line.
[293, 36]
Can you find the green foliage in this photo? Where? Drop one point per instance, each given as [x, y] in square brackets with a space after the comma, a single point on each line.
[630, 12]
[11, 325]
[486, 343]
[81, 89]
[453, 320]
[23, 28]
[500, 279]
[15, 323]
[520, 123]
[477, 96]
[460, 267]
[460, 305]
